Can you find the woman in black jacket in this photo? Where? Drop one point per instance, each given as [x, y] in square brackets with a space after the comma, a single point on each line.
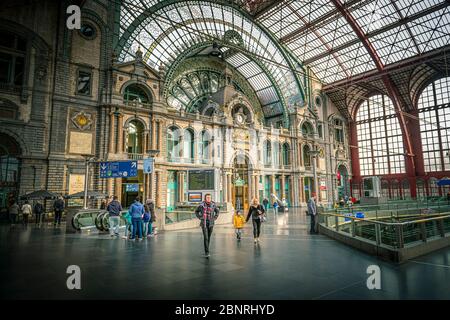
[256, 211]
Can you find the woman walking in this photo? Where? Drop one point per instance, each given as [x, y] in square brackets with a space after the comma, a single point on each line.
[256, 211]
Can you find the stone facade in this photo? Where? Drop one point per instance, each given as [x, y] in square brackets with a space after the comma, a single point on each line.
[56, 127]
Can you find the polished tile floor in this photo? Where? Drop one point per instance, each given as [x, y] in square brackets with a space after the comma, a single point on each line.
[287, 264]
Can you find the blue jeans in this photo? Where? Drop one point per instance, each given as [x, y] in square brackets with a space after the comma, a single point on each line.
[145, 229]
[150, 227]
[137, 227]
[114, 222]
[129, 225]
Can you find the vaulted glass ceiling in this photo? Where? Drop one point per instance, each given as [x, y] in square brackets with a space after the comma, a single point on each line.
[315, 32]
[171, 28]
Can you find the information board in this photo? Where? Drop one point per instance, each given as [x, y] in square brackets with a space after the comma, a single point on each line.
[201, 179]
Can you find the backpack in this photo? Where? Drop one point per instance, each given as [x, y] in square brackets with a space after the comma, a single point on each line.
[146, 217]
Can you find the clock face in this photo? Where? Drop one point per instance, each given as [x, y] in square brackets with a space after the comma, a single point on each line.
[240, 118]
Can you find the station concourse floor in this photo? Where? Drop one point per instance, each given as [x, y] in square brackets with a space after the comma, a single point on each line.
[289, 263]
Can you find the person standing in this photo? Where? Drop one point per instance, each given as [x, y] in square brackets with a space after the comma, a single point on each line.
[137, 212]
[312, 212]
[256, 211]
[13, 213]
[208, 213]
[151, 207]
[58, 207]
[26, 212]
[114, 208]
[275, 207]
[146, 220]
[266, 204]
[238, 222]
[38, 210]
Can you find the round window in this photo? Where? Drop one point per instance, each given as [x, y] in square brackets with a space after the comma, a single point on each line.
[87, 31]
[318, 101]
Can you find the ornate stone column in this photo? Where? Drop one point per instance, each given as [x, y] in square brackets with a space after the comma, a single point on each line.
[283, 195]
[112, 134]
[119, 147]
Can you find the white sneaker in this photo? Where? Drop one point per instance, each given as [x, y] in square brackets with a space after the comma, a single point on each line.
[256, 240]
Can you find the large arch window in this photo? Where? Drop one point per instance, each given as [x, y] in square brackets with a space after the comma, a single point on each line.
[307, 129]
[306, 156]
[276, 154]
[188, 147]
[205, 146]
[12, 58]
[135, 137]
[267, 153]
[135, 93]
[380, 143]
[173, 144]
[434, 114]
[286, 155]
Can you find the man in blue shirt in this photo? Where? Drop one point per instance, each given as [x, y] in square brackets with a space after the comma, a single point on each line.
[136, 211]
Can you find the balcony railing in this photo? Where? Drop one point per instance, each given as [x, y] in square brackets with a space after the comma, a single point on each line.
[138, 104]
[135, 156]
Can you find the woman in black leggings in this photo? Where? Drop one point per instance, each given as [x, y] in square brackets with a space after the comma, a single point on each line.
[256, 211]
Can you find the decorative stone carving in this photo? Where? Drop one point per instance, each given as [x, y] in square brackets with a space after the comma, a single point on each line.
[82, 120]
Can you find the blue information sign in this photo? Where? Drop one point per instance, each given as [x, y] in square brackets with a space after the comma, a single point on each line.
[132, 187]
[148, 165]
[118, 169]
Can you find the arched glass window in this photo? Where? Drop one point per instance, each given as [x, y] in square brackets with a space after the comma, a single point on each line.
[173, 144]
[188, 147]
[12, 58]
[434, 115]
[276, 154]
[135, 137]
[205, 146]
[380, 143]
[306, 156]
[135, 92]
[320, 131]
[338, 130]
[307, 129]
[286, 155]
[267, 153]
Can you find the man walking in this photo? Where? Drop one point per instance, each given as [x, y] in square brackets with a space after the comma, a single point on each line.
[26, 212]
[312, 212]
[208, 213]
[58, 207]
[266, 204]
[114, 208]
[38, 210]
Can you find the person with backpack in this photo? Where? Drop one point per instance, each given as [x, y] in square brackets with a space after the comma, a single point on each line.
[38, 210]
[58, 207]
[256, 212]
[137, 212]
[207, 212]
[114, 208]
[275, 207]
[26, 212]
[312, 212]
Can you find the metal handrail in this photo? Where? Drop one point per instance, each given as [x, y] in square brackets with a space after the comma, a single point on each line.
[440, 217]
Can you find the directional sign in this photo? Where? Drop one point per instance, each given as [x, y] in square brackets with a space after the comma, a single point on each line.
[118, 169]
[148, 165]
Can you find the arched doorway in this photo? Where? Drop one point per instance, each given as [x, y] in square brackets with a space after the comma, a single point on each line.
[240, 190]
[9, 170]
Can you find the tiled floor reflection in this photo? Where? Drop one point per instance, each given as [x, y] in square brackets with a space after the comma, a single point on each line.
[287, 264]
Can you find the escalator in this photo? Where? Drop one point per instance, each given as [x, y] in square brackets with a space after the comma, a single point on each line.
[87, 219]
